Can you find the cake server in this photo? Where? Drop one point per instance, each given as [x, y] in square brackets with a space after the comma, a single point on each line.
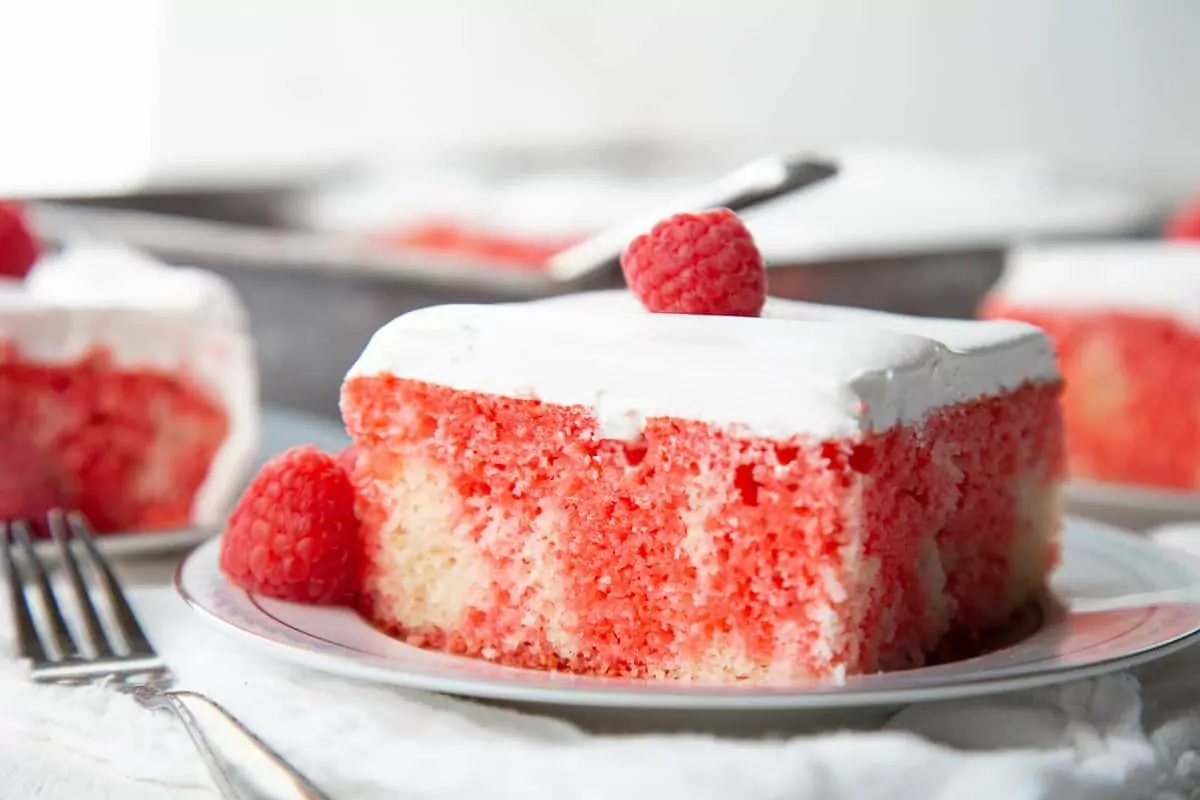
[127, 662]
[757, 182]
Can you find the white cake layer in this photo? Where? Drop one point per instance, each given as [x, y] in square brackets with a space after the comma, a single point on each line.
[1145, 276]
[146, 315]
[801, 369]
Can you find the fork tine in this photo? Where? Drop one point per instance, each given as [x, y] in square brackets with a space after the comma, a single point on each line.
[60, 634]
[127, 624]
[29, 645]
[93, 631]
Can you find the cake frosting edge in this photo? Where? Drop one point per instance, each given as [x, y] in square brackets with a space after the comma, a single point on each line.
[801, 369]
[1155, 277]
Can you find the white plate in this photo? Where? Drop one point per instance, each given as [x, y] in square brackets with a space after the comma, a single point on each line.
[1134, 507]
[1098, 562]
[281, 429]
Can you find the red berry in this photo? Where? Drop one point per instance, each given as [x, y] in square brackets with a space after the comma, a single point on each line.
[18, 247]
[1185, 223]
[294, 534]
[704, 263]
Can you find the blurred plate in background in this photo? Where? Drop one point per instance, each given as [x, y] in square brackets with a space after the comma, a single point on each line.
[1134, 507]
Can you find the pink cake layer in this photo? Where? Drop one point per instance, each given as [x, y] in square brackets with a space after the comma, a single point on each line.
[1132, 382]
[509, 529]
[130, 448]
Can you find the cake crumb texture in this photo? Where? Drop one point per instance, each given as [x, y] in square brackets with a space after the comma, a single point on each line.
[129, 448]
[509, 529]
[1132, 392]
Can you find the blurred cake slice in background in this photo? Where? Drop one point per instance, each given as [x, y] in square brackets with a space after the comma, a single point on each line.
[1125, 318]
[488, 211]
[128, 390]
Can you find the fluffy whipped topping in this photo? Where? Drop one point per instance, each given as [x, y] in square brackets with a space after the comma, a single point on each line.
[800, 369]
[152, 316]
[1151, 276]
[101, 276]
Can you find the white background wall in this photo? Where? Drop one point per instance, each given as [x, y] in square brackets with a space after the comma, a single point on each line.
[1107, 87]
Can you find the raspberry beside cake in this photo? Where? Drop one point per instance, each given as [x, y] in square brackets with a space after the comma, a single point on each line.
[577, 484]
[128, 390]
[1125, 319]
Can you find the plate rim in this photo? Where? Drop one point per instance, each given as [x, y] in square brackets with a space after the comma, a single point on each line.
[144, 544]
[1128, 494]
[687, 697]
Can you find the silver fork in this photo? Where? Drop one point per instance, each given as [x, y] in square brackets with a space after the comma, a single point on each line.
[127, 662]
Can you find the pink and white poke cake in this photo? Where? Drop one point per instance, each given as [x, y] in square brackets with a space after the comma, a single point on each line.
[1124, 319]
[128, 391]
[764, 492]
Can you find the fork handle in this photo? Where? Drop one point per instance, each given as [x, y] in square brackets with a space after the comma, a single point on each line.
[213, 729]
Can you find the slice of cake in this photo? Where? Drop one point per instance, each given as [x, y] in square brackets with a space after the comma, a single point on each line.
[128, 391]
[1125, 319]
[728, 489]
[581, 485]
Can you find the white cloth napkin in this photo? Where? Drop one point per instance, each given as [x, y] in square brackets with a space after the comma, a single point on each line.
[1120, 736]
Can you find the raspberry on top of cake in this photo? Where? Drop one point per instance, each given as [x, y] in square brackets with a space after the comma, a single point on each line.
[578, 484]
[1125, 319]
[128, 390]
[19, 246]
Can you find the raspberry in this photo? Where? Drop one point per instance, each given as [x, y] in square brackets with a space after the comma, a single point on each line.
[1185, 223]
[18, 246]
[294, 534]
[704, 263]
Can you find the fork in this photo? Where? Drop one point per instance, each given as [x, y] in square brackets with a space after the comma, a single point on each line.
[126, 662]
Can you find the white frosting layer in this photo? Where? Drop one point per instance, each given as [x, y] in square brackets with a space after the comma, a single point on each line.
[1155, 276]
[802, 369]
[147, 315]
